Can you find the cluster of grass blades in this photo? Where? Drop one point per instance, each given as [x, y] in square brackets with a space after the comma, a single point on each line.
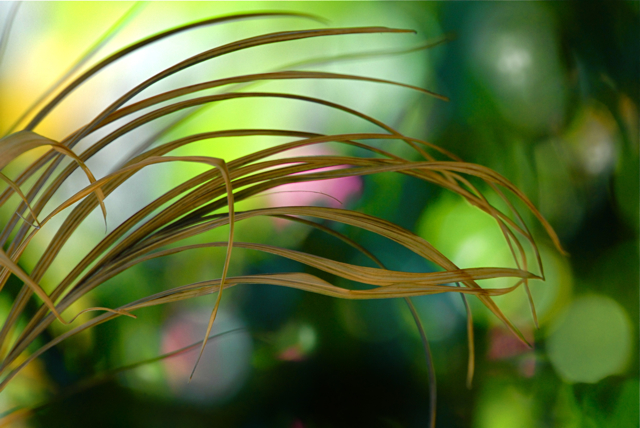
[207, 201]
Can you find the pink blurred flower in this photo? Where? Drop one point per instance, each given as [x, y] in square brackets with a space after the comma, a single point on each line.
[503, 344]
[333, 192]
[225, 364]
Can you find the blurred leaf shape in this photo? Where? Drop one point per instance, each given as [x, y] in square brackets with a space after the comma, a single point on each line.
[513, 50]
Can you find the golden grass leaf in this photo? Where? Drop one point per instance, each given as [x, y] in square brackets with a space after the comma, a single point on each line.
[21, 142]
[189, 209]
[223, 50]
[149, 40]
[278, 75]
[117, 26]
[18, 191]
[367, 275]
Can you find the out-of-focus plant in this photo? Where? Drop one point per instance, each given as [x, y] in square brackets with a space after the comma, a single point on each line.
[207, 202]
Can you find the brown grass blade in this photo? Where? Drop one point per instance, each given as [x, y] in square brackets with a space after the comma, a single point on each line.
[405, 238]
[17, 271]
[279, 75]
[218, 163]
[223, 50]
[371, 276]
[147, 41]
[332, 59]
[21, 142]
[199, 205]
[433, 389]
[16, 189]
[131, 13]
[299, 281]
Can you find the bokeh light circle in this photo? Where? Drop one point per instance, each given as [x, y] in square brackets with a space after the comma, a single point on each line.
[591, 341]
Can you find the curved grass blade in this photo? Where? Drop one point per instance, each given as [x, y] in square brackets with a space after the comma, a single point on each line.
[16, 189]
[113, 58]
[431, 371]
[299, 281]
[88, 190]
[133, 48]
[128, 16]
[332, 59]
[471, 361]
[21, 142]
[178, 106]
[279, 75]
[300, 191]
[223, 50]
[272, 38]
[379, 277]
[9, 264]
[386, 136]
[147, 41]
[19, 304]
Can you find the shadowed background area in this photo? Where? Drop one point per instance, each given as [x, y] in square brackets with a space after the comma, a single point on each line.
[547, 94]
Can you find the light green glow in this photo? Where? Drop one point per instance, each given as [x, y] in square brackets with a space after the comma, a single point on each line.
[307, 338]
[504, 407]
[471, 238]
[591, 341]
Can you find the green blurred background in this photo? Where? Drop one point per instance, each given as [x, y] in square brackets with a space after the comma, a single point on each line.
[547, 94]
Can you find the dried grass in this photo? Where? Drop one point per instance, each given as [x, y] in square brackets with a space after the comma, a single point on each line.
[188, 209]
